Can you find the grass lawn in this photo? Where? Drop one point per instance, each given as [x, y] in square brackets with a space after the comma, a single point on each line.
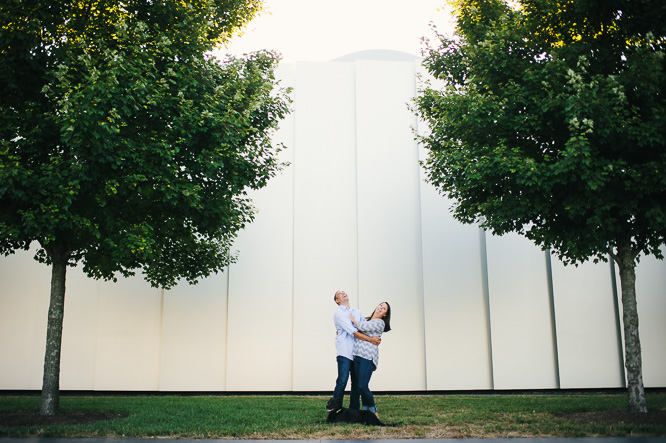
[303, 417]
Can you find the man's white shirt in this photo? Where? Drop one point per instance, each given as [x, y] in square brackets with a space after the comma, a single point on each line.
[344, 340]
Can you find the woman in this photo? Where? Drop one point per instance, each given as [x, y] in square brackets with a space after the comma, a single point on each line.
[366, 355]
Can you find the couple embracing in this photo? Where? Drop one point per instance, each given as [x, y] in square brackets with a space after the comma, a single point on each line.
[357, 345]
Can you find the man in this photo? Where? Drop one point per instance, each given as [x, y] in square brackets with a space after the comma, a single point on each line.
[344, 344]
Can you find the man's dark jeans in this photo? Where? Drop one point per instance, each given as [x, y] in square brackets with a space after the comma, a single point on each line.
[346, 367]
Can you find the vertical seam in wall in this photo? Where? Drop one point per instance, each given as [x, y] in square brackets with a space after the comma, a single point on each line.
[293, 235]
[161, 336]
[358, 257]
[293, 272]
[226, 332]
[553, 323]
[618, 320]
[97, 323]
[293, 268]
[422, 260]
[486, 298]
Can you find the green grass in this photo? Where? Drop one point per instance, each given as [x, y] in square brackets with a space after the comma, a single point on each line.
[303, 417]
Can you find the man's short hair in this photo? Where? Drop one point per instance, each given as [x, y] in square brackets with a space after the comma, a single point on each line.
[335, 297]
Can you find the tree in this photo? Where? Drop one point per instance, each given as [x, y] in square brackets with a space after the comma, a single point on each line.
[551, 122]
[124, 146]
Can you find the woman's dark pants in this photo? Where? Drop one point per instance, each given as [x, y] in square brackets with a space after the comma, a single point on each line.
[363, 370]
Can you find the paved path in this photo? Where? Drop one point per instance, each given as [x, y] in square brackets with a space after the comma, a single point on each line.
[444, 440]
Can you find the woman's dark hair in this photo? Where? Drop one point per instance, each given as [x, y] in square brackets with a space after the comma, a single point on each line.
[386, 318]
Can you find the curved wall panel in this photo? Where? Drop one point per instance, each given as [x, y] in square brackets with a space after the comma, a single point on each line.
[470, 311]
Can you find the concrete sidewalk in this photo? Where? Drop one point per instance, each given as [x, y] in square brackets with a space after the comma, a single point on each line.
[444, 440]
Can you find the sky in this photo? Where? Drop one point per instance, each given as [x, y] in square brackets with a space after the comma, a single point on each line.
[318, 30]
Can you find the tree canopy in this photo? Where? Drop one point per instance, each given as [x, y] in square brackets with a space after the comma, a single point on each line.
[551, 122]
[124, 146]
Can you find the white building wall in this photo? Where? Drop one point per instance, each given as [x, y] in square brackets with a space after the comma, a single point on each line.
[651, 300]
[260, 315]
[520, 316]
[24, 304]
[456, 317]
[589, 341]
[82, 313]
[325, 217]
[470, 310]
[389, 225]
[194, 339]
[129, 326]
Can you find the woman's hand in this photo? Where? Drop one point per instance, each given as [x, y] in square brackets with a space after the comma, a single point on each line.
[351, 317]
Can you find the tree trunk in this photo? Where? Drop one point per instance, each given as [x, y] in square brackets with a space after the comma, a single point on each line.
[632, 344]
[51, 385]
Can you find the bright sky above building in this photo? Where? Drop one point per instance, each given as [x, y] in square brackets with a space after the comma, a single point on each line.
[317, 30]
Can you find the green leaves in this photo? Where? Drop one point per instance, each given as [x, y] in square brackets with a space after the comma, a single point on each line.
[551, 123]
[129, 148]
